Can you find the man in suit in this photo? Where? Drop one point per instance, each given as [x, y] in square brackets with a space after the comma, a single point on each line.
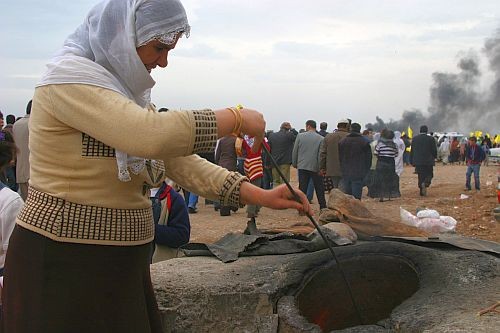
[422, 156]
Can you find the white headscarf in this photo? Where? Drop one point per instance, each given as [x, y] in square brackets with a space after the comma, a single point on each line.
[401, 149]
[445, 145]
[102, 52]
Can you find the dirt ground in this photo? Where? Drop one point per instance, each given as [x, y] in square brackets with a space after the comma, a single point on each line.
[474, 214]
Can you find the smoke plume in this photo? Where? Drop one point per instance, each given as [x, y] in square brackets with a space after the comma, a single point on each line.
[456, 100]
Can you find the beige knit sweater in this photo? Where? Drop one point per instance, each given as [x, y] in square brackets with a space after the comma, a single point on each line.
[75, 195]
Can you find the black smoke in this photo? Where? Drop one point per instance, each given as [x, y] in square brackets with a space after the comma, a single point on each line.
[457, 102]
[413, 116]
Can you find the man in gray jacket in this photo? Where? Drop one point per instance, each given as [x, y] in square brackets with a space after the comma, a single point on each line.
[305, 158]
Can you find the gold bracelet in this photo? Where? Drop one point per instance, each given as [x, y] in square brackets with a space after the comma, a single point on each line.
[238, 121]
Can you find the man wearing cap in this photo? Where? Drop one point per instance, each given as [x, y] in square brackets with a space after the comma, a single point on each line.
[329, 153]
[422, 155]
[281, 144]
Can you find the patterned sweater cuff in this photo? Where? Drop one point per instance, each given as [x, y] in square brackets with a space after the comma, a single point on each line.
[205, 138]
[230, 193]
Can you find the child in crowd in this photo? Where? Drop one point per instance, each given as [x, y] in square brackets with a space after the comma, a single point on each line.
[172, 226]
[253, 167]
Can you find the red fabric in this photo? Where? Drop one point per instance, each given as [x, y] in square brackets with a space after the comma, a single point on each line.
[166, 194]
[253, 161]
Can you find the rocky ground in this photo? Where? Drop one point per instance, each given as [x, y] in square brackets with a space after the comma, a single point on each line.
[473, 214]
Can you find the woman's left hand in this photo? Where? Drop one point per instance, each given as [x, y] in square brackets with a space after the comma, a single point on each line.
[277, 198]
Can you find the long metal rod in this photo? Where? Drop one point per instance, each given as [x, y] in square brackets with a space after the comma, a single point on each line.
[316, 225]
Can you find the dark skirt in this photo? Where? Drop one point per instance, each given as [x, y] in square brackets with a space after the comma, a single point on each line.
[373, 184]
[387, 179]
[63, 287]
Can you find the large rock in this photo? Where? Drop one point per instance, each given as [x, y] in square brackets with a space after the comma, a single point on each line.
[354, 213]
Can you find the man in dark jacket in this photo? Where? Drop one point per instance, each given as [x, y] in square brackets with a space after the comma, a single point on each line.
[322, 129]
[355, 157]
[281, 144]
[422, 156]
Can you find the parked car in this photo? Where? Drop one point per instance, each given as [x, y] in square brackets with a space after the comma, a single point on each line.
[495, 155]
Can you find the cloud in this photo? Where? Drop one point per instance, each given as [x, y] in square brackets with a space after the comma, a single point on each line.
[201, 50]
[306, 51]
[287, 57]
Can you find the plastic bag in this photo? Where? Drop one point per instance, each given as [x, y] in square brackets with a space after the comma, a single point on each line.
[408, 218]
[448, 223]
[441, 224]
[430, 213]
[429, 224]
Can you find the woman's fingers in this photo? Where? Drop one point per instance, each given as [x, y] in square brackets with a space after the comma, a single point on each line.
[302, 205]
[277, 198]
[305, 206]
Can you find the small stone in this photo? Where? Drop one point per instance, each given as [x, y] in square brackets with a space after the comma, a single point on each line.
[342, 230]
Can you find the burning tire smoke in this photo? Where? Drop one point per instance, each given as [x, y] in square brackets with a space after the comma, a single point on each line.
[457, 102]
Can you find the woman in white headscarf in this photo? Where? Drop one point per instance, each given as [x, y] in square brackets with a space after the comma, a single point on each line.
[444, 151]
[399, 163]
[78, 259]
[401, 148]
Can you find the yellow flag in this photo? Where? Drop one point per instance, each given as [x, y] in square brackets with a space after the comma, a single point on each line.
[410, 132]
[478, 134]
[497, 139]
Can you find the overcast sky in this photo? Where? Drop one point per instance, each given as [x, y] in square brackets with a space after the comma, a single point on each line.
[292, 60]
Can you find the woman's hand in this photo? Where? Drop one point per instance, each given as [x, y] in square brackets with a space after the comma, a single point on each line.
[252, 122]
[277, 198]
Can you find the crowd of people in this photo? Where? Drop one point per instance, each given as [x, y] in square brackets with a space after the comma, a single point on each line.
[350, 160]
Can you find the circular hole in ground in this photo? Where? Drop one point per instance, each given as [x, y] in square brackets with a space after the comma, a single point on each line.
[379, 283]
